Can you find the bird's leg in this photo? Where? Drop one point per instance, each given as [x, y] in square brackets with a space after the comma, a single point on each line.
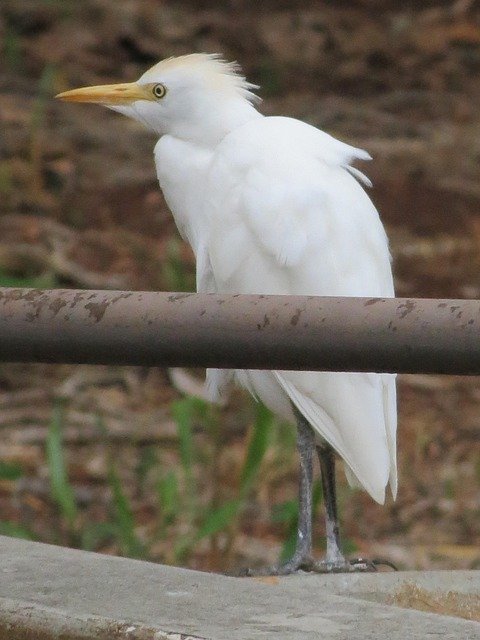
[334, 557]
[334, 561]
[302, 558]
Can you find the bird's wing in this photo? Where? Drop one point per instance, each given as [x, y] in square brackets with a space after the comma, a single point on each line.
[284, 207]
[288, 217]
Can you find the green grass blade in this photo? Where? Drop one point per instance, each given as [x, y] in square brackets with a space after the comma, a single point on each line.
[168, 498]
[287, 512]
[45, 280]
[218, 519]
[176, 273]
[148, 461]
[184, 411]
[290, 543]
[124, 518]
[14, 530]
[44, 92]
[257, 447]
[10, 470]
[93, 535]
[183, 549]
[12, 50]
[62, 491]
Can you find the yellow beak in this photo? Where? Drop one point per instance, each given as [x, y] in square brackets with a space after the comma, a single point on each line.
[109, 94]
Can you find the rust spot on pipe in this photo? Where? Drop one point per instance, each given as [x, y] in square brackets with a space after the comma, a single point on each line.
[97, 309]
[56, 305]
[178, 296]
[123, 296]
[265, 323]
[296, 317]
[31, 295]
[407, 307]
[77, 298]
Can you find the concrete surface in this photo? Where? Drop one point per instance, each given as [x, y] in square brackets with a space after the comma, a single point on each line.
[52, 592]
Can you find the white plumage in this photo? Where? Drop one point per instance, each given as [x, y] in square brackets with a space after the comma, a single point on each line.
[271, 205]
[274, 208]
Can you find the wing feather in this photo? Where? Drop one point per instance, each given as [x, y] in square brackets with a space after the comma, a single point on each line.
[290, 218]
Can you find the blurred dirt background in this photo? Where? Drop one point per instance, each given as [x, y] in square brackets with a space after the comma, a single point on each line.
[80, 207]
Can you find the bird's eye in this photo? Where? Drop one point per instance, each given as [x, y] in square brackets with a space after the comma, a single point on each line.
[159, 90]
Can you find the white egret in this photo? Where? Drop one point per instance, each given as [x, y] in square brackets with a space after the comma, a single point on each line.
[271, 205]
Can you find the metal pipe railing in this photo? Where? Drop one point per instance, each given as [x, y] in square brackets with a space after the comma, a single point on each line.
[240, 331]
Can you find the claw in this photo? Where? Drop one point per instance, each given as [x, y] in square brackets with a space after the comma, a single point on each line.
[308, 565]
[363, 564]
[379, 562]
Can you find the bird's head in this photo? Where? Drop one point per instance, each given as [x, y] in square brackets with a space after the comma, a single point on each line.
[197, 97]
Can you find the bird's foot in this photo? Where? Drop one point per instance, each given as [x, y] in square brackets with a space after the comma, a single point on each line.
[294, 565]
[355, 565]
[342, 565]
[309, 565]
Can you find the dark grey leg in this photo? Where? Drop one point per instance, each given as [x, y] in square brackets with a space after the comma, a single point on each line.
[326, 456]
[334, 561]
[302, 558]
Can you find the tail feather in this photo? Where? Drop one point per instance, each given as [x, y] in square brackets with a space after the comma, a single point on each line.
[359, 428]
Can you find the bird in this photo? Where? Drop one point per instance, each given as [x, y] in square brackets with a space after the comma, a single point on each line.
[274, 205]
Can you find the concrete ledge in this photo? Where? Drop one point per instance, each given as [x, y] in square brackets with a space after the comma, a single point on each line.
[50, 592]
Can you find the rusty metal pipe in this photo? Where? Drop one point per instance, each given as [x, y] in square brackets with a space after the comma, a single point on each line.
[240, 331]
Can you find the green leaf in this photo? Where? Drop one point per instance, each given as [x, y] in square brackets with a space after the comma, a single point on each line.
[10, 470]
[62, 491]
[219, 519]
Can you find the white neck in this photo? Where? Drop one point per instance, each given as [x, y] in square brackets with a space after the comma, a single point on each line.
[217, 120]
